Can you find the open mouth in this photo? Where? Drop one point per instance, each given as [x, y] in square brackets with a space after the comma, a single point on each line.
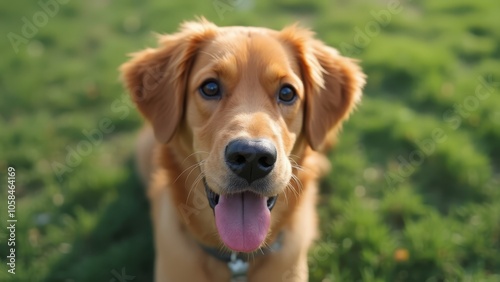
[213, 198]
[242, 219]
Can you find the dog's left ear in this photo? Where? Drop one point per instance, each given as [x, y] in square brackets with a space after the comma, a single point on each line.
[328, 106]
[333, 85]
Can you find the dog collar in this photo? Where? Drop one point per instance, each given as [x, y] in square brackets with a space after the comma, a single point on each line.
[238, 262]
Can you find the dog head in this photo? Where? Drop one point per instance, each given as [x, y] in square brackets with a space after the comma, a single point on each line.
[247, 102]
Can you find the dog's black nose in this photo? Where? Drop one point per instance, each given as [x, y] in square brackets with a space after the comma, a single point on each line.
[250, 159]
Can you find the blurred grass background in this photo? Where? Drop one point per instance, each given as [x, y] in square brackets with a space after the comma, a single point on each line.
[414, 191]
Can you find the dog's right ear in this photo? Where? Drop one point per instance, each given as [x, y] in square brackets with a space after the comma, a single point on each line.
[156, 78]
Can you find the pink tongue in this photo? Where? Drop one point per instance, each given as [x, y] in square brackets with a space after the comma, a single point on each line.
[242, 220]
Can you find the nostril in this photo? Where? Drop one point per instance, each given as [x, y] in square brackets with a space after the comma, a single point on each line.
[240, 159]
[266, 161]
[236, 159]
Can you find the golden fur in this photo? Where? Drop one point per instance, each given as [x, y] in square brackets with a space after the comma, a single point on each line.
[187, 134]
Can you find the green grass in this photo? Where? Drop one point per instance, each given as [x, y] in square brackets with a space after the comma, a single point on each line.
[414, 194]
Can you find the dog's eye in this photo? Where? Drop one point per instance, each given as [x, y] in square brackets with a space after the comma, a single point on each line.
[210, 89]
[287, 94]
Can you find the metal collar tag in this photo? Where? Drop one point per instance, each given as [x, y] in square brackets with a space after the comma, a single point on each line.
[238, 268]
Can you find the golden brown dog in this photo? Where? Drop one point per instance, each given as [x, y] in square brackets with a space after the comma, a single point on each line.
[239, 117]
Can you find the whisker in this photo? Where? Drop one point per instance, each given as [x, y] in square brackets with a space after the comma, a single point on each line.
[286, 197]
[296, 165]
[197, 152]
[299, 168]
[291, 188]
[293, 155]
[195, 183]
[300, 186]
[197, 166]
[222, 249]
[191, 167]
[265, 245]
